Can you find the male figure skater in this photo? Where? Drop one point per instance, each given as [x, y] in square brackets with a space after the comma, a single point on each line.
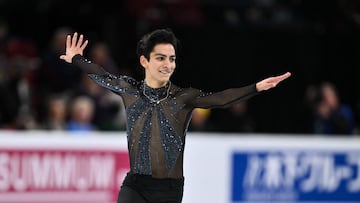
[158, 114]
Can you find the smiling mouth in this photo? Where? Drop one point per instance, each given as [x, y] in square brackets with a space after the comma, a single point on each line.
[165, 72]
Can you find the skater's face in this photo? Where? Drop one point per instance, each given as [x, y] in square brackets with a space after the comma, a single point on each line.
[160, 66]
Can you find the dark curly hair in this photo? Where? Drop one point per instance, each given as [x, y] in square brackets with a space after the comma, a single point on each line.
[160, 36]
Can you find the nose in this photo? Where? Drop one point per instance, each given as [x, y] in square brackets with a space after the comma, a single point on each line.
[167, 63]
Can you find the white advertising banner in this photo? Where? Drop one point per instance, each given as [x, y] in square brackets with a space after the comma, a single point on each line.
[57, 167]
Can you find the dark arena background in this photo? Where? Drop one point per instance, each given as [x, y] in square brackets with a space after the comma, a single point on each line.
[311, 119]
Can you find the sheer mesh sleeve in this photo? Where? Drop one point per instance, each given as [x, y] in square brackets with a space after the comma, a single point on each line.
[115, 83]
[86, 65]
[225, 98]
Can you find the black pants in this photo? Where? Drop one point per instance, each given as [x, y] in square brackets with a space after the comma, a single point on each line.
[146, 189]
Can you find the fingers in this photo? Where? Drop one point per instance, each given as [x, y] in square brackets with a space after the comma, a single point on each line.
[272, 82]
[282, 77]
[74, 39]
[84, 45]
[68, 41]
[80, 41]
[285, 75]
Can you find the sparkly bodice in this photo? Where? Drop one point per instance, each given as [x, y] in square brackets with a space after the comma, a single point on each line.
[158, 118]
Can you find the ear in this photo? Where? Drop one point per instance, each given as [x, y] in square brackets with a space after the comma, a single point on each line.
[143, 61]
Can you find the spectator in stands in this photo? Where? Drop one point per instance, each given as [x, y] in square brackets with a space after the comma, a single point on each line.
[81, 114]
[330, 115]
[109, 110]
[19, 60]
[56, 113]
[54, 75]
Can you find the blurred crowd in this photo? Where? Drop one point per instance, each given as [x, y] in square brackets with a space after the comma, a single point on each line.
[41, 92]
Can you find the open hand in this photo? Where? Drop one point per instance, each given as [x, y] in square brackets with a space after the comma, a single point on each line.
[74, 46]
[271, 82]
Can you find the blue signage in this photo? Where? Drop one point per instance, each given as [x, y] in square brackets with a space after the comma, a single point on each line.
[296, 176]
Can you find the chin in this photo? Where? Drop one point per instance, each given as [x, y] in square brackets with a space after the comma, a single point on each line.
[164, 79]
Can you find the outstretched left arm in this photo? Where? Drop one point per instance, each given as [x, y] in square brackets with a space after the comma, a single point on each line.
[271, 82]
[225, 98]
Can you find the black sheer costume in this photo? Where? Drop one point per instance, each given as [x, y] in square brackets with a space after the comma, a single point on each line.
[158, 118]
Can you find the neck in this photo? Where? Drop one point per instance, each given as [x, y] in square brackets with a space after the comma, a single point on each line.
[155, 84]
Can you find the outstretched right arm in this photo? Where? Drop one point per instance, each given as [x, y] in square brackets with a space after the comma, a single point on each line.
[74, 54]
[75, 46]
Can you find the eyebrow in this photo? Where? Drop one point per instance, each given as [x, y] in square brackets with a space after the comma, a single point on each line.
[159, 54]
